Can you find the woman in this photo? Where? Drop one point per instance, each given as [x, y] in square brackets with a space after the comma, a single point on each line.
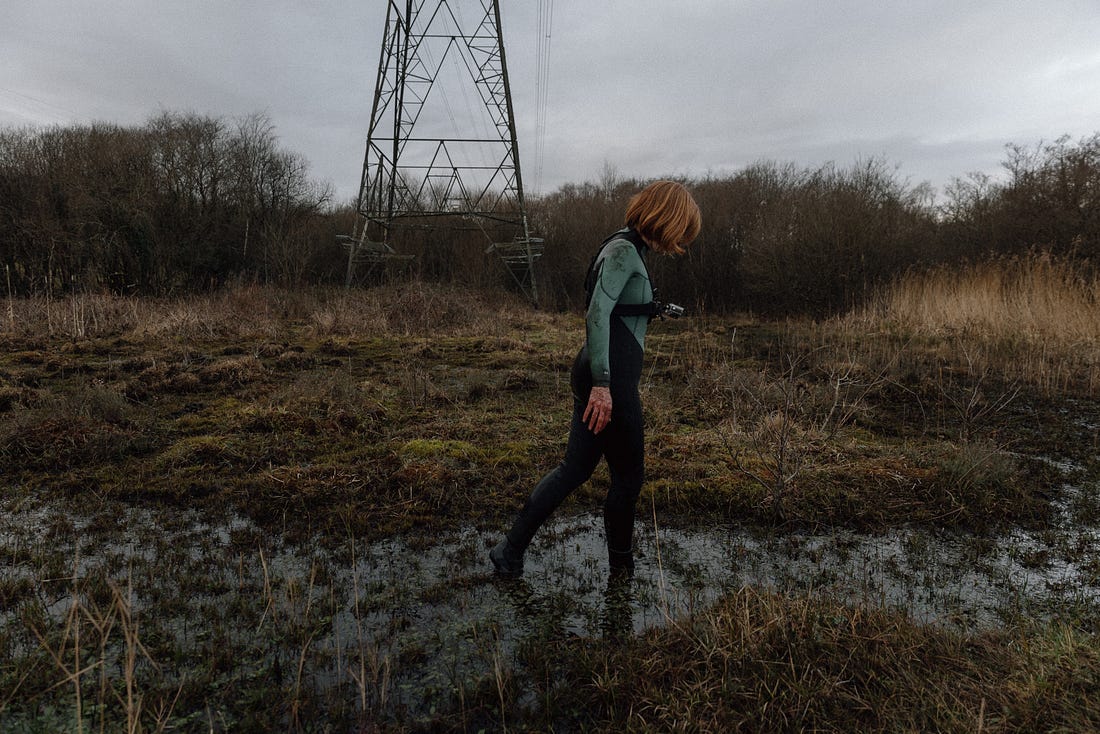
[607, 411]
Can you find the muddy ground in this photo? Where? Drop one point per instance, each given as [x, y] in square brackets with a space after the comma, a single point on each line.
[288, 531]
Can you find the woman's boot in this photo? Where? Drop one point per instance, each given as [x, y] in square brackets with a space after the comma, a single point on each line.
[618, 524]
[621, 563]
[507, 555]
[507, 559]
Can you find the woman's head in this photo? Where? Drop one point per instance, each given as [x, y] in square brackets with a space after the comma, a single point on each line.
[666, 216]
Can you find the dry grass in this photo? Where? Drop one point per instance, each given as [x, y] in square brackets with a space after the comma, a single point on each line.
[1035, 318]
[266, 312]
[417, 409]
[764, 662]
[1033, 297]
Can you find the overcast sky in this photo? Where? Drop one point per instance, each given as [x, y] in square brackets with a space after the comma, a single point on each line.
[689, 87]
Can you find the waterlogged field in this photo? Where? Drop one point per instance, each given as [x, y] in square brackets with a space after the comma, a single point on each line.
[269, 511]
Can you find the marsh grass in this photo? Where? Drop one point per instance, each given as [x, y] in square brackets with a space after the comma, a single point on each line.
[111, 654]
[97, 653]
[417, 410]
[444, 415]
[263, 312]
[230, 638]
[1035, 318]
[759, 661]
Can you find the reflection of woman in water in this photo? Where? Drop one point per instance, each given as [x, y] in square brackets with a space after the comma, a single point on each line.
[607, 410]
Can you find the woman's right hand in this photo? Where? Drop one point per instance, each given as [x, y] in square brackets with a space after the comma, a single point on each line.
[598, 412]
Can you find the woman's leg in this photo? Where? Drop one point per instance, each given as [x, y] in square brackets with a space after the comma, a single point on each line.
[624, 448]
[582, 454]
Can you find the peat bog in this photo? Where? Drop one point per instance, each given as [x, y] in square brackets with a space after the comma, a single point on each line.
[268, 511]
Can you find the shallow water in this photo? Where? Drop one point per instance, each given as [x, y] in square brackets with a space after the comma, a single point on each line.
[423, 620]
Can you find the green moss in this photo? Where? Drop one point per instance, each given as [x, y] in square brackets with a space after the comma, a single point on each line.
[425, 448]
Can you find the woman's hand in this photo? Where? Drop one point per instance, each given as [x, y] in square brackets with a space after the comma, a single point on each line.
[598, 413]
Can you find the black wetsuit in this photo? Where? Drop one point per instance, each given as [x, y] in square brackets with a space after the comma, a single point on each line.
[618, 365]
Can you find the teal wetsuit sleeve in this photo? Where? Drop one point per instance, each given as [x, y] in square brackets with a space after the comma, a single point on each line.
[621, 262]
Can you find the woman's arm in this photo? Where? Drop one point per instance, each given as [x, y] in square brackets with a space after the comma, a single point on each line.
[620, 263]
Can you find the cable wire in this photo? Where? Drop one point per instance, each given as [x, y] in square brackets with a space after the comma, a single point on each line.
[542, 84]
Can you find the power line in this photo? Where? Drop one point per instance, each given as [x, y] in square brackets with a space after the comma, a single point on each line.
[12, 93]
[542, 84]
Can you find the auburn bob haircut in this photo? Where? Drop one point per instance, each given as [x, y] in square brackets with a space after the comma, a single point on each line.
[666, 216]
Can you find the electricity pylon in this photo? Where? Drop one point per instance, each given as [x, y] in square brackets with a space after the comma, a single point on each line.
[418, 171]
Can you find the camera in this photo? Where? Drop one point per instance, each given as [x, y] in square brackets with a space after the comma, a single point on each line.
[671, 310]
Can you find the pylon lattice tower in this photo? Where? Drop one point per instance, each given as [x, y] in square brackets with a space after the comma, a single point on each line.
[418, 171]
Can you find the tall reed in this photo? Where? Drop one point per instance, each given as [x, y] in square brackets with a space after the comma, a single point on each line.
[1035, 317]
[1019, 298]
[266, 312]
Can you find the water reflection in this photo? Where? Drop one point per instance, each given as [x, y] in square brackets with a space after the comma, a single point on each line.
[425, 622]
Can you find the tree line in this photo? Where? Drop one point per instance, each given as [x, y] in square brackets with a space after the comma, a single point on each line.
[186, 202]
[180, 203]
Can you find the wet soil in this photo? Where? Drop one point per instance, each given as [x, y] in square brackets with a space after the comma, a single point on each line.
[306, 521]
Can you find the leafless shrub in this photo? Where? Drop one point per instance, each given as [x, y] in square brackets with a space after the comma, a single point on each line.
[972, 405]
[766, 439]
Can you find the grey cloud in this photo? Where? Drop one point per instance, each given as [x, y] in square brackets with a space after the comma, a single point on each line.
[654, 88]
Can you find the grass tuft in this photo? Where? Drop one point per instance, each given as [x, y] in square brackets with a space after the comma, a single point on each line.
[760, 661]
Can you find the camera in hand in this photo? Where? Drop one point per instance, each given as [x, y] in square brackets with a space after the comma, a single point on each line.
[670, 310]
